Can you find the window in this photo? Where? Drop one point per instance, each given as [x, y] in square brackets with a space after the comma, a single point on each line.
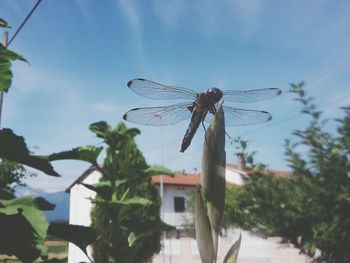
[179, 204]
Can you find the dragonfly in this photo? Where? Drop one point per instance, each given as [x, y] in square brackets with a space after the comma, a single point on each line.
[196, 107]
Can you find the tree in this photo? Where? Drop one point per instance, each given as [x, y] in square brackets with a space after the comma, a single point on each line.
[312, 207]
[126, 215]
[12, 174]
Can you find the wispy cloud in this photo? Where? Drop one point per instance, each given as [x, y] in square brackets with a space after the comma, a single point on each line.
[83, 6]
[211, 17]
[170, 12]
[132, 14]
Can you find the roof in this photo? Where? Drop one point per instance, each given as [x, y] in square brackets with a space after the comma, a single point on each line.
[179, 179]
[248, 170]
[82, 177]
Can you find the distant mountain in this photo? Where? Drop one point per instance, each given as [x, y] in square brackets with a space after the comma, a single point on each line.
[60, 199]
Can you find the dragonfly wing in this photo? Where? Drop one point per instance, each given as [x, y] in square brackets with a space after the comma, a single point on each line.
[155, 91]
[250, 95]
[242, 117]
[160, 116]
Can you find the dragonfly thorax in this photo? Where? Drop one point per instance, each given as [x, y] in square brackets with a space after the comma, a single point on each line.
[214, 95]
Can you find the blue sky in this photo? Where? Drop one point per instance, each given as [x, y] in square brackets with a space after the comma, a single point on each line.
[83, 52]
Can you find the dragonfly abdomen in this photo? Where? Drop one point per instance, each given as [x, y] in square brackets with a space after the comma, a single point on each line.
[196, 119]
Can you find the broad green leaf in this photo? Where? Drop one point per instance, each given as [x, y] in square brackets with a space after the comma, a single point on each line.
[19, 238]
[81, 236]
[203, 230]
[86, 153]
[23, 229]
[4, 24]
[125, 208]
[159, 170]
[232, 254]
[103, 189]
[28, 205]
[150, 227]
[14, 148]
[8, 54]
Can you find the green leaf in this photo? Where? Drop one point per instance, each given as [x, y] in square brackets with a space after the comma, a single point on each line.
[203, 230]
[232, 254]
[19, 238]
[159, 170]
[103, 189]
[4, 24]
[213, 173]
[6, 56]
[30, 210]
[213, 158]
[101, 129]
[23, 229]
[86, 153]
[14, 148]
[125, 254]
[150, 228]
[128, 201]
[131, 239]
[81, 236]
[43, 204]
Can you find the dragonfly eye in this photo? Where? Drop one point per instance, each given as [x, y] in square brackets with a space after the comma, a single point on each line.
[215, 93]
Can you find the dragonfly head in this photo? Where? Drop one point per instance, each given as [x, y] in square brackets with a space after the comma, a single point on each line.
[214, 94]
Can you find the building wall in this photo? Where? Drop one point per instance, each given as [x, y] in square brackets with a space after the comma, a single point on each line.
[169, 215]
[79, 213]
[80, 207]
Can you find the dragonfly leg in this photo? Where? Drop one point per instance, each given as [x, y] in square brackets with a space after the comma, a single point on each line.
[205, 130]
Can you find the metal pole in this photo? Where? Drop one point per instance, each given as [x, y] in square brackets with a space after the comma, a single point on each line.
[4, 42]
[162, 191]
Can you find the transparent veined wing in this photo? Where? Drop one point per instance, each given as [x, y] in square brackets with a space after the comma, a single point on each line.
[250, 95]
[242, 117]
[160, 116]
[155, 91]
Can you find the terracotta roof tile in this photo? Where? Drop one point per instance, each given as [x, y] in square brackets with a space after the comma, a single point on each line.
[179, 179]
[249, 170]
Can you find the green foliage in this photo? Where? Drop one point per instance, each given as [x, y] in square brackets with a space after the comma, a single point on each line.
[23, 226]
[86, 153]
[158, 169]
[14, 148]
[23, 229]
[210, 202]
[12, 174]
[126, 212]
[312, 207]
[232, 254]
[204, 235]
[6, 56]
[81, 236]
[4, 24]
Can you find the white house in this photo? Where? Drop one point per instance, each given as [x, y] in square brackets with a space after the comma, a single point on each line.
[254, 248]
